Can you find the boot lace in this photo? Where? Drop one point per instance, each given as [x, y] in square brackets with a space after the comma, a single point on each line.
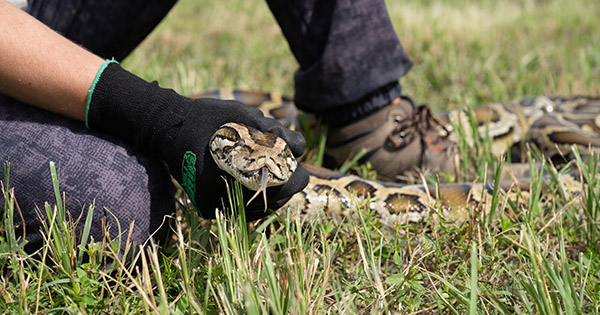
[420, 124]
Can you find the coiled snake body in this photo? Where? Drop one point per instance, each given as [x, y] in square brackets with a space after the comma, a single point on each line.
[553, 124]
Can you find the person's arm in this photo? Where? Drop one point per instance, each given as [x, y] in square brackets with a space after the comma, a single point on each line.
[40, 67]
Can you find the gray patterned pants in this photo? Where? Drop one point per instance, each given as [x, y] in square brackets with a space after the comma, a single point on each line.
[94, 169]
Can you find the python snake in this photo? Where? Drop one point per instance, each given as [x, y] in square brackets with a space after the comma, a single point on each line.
[553, 124]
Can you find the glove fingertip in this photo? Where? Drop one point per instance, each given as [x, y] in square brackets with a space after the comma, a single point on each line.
[303, 176]
[297, 182]
[296, 142]
[294, 139]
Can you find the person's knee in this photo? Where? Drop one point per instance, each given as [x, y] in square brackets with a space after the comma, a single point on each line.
[138, 209]
[129, 213]
[122, 184]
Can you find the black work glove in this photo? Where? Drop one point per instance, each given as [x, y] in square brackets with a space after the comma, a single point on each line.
[177, 129]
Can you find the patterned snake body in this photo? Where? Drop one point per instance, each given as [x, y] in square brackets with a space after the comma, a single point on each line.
[553, 124]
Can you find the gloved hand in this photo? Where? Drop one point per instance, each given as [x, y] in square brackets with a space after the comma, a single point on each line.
[177, 129]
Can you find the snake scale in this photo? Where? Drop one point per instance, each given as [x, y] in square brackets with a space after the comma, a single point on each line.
[552, 124]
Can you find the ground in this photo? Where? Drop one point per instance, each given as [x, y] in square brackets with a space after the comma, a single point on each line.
[543, 258]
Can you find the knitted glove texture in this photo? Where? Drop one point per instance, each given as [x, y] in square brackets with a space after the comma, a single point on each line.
[177, 129]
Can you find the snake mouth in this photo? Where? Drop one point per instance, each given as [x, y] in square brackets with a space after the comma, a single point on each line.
[258, 175]
[249, 174]
[264, 179]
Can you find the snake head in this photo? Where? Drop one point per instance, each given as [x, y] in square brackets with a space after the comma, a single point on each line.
[257, 159]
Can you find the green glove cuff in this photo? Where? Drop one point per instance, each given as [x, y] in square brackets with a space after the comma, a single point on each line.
[96, 79]
[188, 177]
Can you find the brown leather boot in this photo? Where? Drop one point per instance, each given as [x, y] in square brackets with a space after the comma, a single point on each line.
[399, 139]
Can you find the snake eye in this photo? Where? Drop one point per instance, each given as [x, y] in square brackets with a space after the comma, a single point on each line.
[286, 152]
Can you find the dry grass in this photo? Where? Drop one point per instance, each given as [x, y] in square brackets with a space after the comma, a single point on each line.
[543, 258]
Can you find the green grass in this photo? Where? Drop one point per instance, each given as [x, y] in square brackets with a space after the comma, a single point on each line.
[543, 258]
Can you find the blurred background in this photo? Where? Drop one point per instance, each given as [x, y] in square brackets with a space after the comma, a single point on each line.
[465, 52]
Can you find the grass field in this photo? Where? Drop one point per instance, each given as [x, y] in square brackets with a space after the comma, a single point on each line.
[542, 259]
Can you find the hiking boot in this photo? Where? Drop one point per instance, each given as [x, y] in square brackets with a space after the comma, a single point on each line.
[400, 139]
